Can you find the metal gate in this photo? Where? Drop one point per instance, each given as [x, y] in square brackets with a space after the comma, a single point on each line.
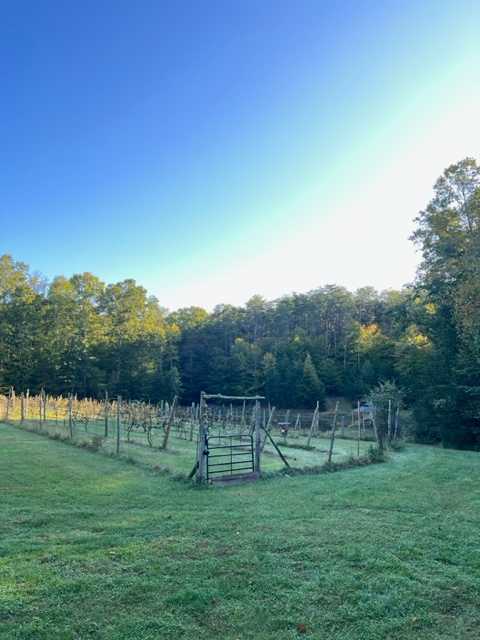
[229, 456]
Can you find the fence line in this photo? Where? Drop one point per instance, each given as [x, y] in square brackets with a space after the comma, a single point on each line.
[165, 434]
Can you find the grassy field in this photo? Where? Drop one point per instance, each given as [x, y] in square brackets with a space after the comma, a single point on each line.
[91, 547]
[181, 453]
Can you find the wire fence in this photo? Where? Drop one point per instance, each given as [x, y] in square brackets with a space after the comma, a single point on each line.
[165, 435]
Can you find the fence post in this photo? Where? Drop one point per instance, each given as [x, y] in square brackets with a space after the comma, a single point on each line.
[7, 412]
[106, 415]
[396, 431]
[258, 448]
[27, 398]
[332, 437]
[70, 421]
[192, 420]
[44, 406]
[201, 453]
[312, 426]
[119, 404]
[389, 422]
[378, 434]
[22, 408]
[359, 429]
[168, 426]
[202, 442]
[266, 428]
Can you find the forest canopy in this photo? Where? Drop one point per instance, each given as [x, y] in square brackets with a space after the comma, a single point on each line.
[82, 335]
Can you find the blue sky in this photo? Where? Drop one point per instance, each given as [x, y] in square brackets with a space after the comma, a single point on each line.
[213, 150]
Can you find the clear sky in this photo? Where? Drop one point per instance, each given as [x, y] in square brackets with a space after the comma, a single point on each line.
[216, 149]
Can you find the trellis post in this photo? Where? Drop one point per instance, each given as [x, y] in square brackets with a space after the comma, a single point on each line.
[105, 417]
[193, 414]
[7, 412]
[201, 445]
[332, 436]
[395, 432]
[70, 421]
[258, 447]
[119, 404]
[44, 405]
[312, 426]
[168, 426]
[359, 432]
[389, 421]
[266, 428]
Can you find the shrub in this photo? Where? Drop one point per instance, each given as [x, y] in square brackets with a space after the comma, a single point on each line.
[375, 454]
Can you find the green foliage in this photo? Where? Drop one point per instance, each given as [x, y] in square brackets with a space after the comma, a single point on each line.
[79, 334]
[311, 389]
[385, 398]
[448, 232]
[375, 454]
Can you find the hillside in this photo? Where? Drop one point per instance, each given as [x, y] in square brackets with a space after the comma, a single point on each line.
[91, 547]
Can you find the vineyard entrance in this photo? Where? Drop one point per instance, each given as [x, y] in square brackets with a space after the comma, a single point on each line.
[231, 454]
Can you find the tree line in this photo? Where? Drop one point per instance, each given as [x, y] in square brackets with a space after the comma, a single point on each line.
[82, 335]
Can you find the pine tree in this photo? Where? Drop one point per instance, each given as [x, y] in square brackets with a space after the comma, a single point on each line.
[311, 389]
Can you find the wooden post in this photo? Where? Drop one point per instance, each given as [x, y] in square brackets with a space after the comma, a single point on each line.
[202, 442]
[201, 452]
[70, 421]
[192, 421]
[378, 435]
[105, 417]
[168, 426]
[359, 429]
[277, 449]
[395, 430]
[332, 437]
[312, 426]
[119, 405]
[258, 448]
[27, 398]
[389, 422]
[266, 428]
[297, 423]
[7, 411]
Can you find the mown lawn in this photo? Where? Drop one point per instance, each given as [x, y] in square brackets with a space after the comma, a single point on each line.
[180, 455]
[92, 547]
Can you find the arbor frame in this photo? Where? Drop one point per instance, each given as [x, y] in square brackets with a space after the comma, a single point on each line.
[202, 446]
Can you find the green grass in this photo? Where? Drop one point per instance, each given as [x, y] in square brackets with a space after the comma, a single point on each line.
[180, 455]
[91, 547]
